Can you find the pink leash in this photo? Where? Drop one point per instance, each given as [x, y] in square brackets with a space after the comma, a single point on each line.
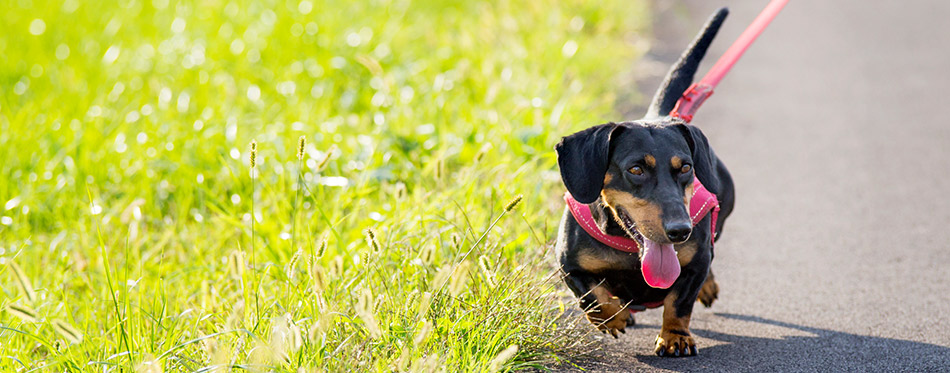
[699, 92]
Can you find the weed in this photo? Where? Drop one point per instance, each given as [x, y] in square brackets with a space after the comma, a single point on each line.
[373, 225]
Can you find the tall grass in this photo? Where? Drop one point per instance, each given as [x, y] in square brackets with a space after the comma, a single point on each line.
[135, 234]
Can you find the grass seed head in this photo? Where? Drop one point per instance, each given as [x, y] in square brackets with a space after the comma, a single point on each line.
[499, 361]
[292, 266]
[400, 365]
[236, 265]
[253, 153]
[365, 310]
[236, 315]
[24, 313]
[296, 341]
[326, 158]
[460, 279]
[285, 338]
[371, 239]
[209, 346]
[262, 354]
[364, 301]
[322, 321]
[441, 276]
[314, 333]
[485, 265]
[215, 354]
[399, 191]
[301, 145]
[481, 152]
[337, 267]
[440, 168]
[424, 302]
[23, 282]
[317, 278]
[66, 330]
[514, 203]
[427, 255]
[323, 246]
[425, 328]
[456, 241]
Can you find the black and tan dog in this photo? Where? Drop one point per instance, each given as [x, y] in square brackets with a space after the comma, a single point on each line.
[637, 180]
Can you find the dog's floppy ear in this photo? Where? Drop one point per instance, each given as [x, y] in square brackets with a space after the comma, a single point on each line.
[583, 159]
[680, 76]
[704, 161]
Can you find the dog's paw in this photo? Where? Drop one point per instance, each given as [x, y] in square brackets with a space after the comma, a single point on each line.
[674, 344]
[709, 292]
[611, 317]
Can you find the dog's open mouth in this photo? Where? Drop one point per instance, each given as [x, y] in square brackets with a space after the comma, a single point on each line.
[658, 262]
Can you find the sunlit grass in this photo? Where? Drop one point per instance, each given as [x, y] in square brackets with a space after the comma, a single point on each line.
[135, 234]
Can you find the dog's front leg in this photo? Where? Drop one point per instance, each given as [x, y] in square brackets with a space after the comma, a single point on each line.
[674, 338]
[602, 308]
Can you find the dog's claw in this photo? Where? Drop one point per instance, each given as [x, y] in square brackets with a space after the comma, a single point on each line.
[613, 332]
[623, 331]
[675, 345]
[611, 321]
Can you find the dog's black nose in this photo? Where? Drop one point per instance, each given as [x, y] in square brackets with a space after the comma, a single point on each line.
[678, 232]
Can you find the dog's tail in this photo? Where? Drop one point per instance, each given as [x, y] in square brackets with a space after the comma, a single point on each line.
[680, 76]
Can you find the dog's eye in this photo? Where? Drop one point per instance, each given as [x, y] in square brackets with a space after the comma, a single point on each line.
[686, 168]
[636, 170]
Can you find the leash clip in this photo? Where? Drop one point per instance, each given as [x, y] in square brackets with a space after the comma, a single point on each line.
[691, 100]
[699, 92]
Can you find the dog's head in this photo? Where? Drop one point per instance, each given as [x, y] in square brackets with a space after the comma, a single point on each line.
[643, 170]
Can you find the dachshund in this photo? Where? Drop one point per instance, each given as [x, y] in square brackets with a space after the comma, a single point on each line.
[633, 235]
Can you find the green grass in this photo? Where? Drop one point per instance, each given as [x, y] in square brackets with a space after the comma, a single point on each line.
[126, 232]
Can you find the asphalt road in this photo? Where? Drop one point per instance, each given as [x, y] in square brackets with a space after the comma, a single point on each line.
[835, 127]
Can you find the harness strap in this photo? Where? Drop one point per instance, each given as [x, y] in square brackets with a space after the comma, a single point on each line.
[701, 203]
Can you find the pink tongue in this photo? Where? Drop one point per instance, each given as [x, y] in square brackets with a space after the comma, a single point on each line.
[659, 264]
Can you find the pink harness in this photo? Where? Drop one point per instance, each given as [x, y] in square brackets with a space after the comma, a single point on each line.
[702, 203]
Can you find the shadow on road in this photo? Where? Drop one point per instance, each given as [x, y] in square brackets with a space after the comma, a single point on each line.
[825, 350]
